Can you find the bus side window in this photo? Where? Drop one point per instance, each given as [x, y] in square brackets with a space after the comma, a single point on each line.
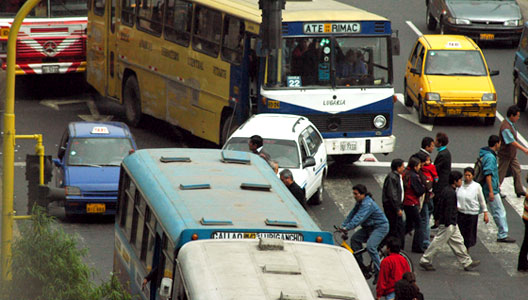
[150, 15]
[178, 22]
[148, 240]
[129, 207]
[233, 42]
[138, 223]
[207, 30]
[128, 12]
[99, 7]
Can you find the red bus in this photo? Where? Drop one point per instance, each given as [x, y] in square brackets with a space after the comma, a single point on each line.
[52, 38]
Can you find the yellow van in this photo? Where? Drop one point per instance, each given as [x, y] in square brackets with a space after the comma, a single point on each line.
[447, 76]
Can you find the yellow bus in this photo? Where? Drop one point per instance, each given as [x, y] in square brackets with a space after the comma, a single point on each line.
[198, 65]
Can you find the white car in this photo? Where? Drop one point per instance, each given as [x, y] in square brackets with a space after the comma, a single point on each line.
[294, 143]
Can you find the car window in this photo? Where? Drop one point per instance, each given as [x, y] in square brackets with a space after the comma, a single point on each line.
[284, 152]
[417, 49]
[63, 144]
[100, 151]
[455, 63]
[419, 60]
[312, 140]
[304, 153]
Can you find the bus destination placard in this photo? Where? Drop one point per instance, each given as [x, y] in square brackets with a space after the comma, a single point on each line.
[317, 28]
[234, 235]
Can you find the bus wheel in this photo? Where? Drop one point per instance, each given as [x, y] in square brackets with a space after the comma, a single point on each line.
[228, 127]
[346, 158]
[132, 101]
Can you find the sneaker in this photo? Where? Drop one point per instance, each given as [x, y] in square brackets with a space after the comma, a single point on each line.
[506, 240]
[473, 265]
[427, 267]
[434, 226]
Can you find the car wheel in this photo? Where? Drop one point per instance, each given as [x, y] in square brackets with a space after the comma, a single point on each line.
[489, 121]
[518, 98]
[317, 198]
[430, 20]
[346, 158]
[132, 102]
[228, 127]
[421, 114]
[407, 99]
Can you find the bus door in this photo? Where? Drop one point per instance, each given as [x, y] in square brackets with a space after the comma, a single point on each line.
[157, 264]
[96, 45]
[111, 61]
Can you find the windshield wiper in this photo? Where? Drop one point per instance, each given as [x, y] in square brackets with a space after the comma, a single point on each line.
[466, 74]
[438, 73]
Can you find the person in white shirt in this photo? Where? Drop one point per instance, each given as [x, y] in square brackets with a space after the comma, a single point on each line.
[471, 203]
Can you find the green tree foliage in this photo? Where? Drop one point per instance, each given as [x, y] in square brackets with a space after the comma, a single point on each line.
[47, 264]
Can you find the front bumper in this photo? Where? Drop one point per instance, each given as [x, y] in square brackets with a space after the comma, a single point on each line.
[453, 109]
[337, 146]
[486, 33]
[48, 68]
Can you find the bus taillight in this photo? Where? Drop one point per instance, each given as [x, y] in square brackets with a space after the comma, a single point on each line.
[319, 239]
[194, 237]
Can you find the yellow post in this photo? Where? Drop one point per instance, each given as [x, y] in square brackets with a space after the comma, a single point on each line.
[9, 140]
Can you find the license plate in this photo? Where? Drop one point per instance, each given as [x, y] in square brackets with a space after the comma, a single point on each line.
[348, 146]
[95, 208]
[454, 111]
[50, 69]
[233, 235]
[487, 36]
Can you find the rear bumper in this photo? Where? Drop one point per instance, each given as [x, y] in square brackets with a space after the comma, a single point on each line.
[339, 146]
[453, 109]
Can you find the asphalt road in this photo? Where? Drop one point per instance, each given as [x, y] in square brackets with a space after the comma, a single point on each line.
[494, 279]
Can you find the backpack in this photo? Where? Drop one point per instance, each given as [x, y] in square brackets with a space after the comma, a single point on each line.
[479, 171]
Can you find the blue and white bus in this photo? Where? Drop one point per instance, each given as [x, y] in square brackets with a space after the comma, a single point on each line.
[335, 68]
[169, 197]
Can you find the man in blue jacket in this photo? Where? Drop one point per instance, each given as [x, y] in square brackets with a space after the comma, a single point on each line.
[491, 188]
[374, 225]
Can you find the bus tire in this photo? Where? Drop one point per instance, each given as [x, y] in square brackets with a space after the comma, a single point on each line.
[518, 98]
[346, 158]
[132, 101]
[228, 127]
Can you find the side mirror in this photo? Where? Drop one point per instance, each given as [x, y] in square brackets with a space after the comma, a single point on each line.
[494, 73]
[525, 61]
[62, 151]
[308, 162]
[414, 71]
[57, 162]
[395, 46]
[165, 288]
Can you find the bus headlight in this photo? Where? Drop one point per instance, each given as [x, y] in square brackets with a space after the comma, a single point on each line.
[432, 97]
[489, 97]
[73, 191]
[380, 121]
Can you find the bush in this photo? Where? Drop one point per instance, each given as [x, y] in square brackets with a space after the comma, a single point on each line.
[47, 264]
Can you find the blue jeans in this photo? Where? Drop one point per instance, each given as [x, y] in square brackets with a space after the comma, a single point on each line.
[425, 215]
[390, 296]
[373, 237]
[499, 215]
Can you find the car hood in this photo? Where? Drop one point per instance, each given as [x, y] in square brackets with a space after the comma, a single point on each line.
[460, 86]
[93, 178]
[485, 10]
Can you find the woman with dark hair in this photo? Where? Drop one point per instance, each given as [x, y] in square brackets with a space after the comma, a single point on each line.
[470, 203]
[374, 226]
[413, 190]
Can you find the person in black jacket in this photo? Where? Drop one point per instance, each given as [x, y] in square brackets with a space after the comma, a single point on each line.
[392, 199]
[448, 231]
[286, 177]
[443, 167]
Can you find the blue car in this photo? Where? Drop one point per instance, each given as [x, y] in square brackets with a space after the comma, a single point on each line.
[88, 164]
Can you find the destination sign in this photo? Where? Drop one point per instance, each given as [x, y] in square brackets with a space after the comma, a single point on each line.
[257, 235]
[316, 28]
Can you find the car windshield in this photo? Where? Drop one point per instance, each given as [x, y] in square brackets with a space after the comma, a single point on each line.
[46, 8]
[98, 151]
[284, 152]
[455, 62]
[339, 61]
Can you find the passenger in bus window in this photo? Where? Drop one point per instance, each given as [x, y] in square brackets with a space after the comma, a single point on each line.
[352, 70]
[310, 63]
[297, 57]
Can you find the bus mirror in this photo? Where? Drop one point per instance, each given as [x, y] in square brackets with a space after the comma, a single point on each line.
[395, 46]
[165, 287]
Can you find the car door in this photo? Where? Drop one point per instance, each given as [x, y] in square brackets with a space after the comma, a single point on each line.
[311, 146]
[413, 79]
[318, 153]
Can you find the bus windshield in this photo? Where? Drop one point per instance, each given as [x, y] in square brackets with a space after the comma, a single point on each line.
[46, 8]
[334, 61]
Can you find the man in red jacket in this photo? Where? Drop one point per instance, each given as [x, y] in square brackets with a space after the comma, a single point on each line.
[392, 269]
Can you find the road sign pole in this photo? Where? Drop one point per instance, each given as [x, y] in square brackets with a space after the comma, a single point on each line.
[9, 141]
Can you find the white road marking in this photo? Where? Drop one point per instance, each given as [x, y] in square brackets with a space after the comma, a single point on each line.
[94, 113]
[54, 104]
[416, 30]
[412, 116]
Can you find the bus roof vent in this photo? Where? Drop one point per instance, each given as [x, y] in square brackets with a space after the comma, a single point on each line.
[239, 157]
[165, 159]
[282, 269]
[205, 221]
[281, 223]
[290, 296]
[255, 186]
[201, 186]
[379, 27]
[271, 244]
[335, 294]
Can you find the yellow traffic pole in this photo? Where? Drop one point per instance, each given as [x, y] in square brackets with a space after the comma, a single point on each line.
[9, 141]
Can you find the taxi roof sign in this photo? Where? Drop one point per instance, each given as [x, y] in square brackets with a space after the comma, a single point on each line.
[453, 45]
[100, 130]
